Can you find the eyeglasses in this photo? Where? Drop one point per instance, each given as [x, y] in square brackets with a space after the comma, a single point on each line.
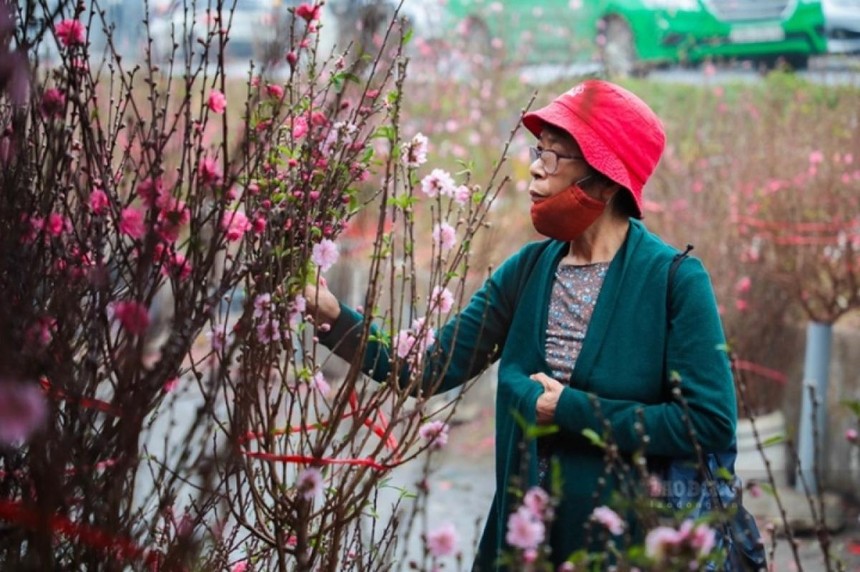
[549, 158]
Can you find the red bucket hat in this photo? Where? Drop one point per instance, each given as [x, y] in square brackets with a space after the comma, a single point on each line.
[618, 133]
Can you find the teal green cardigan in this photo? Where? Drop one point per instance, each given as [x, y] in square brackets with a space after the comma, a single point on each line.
[617, 382]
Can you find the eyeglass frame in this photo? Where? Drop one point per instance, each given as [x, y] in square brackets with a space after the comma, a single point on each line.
[537, 153]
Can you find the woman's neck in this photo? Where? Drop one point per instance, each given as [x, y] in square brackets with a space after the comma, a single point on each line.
[599, 243]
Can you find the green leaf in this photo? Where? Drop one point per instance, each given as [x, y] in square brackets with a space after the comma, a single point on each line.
[853, 405]
[775, 440]
[407, 37]
[538, 431]
[595, 439]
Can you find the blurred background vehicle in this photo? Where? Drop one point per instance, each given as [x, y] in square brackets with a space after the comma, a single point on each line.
[842, 25]
[631, 36]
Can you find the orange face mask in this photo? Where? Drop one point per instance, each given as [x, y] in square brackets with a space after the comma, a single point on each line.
[565, 216]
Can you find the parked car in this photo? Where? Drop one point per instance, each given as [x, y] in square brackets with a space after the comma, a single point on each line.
[842, 25]
[630, 36]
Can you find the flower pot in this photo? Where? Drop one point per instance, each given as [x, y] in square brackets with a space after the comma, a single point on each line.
[750, 465]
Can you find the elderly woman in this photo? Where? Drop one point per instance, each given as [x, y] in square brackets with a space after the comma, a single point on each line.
[580, 324]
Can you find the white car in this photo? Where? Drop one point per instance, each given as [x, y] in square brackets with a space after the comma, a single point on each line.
[842, 25]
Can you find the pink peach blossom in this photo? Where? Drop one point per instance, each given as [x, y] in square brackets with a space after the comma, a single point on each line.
[443, 541]
[217, 101]
[132, 315]
[53, 103]
[525, 530]
[131, 222]
[236, 224]
[435, 432]
[98, 201]
[441, 299]
[71, 33]
[444, 236]
[310, 483]
[23, 410]
[609, 519]
[308, 12]
[324, 254]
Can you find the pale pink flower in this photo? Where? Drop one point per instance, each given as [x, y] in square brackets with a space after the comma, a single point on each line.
[310, 483]
[217, 101]
[743, 285]
[438, 182]
[131, 222]
[235, 224]
[529, 555]
[445, 236]
[262, 304]
[462, 194]
[71, 33]
[660, 541]
[537, 501]
[525, 530]
[816, 157]
[269, 331]
[701, 536]
[324, 254]
[98, 201]
[414, 153]
[609, 519]
[425, 335]
[308, 12]
[754, 490]
[403, 343]
[132, 315]
[319, 383]
[435, 432]
[443, 541]
[441, 300]
[851, 435]
[23, 409]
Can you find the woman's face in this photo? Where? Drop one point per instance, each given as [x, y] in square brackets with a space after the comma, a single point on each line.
[570, 166]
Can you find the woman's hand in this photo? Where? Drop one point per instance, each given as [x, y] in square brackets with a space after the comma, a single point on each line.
[548, 400]
[321, 304]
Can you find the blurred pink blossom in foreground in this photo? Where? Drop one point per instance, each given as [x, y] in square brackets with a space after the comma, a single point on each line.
[310, 483]
[443, 540]
[23, 410]
[436, 432]
[525, 529]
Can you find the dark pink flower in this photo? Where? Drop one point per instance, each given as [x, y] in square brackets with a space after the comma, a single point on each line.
[133, 316]
[274, 90]
[209, 171]
[71, 33]
[98, 201]
[292, 58]
[23, 409]
[217, 101]
[308, 12]
[131, 222]
[53, 103]
[150, 191]
[300, 127]
[57, 224]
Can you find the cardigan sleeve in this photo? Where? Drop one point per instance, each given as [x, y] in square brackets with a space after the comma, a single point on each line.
[464, 346]
[696, 353]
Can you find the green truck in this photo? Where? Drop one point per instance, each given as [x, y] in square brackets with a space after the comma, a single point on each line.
[631, 36]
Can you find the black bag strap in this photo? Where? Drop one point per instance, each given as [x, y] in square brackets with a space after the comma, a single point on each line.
[673, 269]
